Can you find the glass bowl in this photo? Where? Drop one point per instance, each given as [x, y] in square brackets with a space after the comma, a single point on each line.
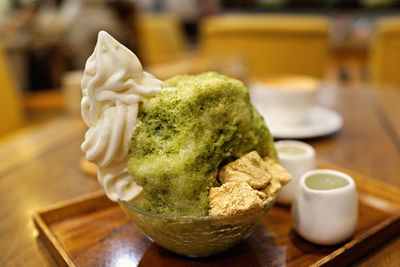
[196, 236]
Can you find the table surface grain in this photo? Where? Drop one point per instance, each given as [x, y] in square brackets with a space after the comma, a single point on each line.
[40, 166]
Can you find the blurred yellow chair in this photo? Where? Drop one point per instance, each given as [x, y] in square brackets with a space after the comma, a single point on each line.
[11, 115]
[271, 44]
[161, 37]
[384, 58]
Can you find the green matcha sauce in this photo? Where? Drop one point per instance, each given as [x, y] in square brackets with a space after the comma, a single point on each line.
[325, 182]
[291, 150]
[184, 133]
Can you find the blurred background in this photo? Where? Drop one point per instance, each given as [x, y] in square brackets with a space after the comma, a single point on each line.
[44, 44]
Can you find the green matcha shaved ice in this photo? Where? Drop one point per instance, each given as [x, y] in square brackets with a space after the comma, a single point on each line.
[185, 133]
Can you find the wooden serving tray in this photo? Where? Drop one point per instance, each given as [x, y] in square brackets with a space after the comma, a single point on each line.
[93, 231]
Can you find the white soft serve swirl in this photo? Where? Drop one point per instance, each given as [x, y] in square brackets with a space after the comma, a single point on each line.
[113, 85]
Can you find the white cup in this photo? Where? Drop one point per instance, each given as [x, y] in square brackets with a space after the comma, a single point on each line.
[325, 216]
[297, 158]
[287, 101]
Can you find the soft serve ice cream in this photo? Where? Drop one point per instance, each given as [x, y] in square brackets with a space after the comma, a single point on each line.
[113, 86]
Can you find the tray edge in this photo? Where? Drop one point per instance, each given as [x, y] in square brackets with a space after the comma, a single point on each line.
[380, 233]
[51, 242]
[44, 217]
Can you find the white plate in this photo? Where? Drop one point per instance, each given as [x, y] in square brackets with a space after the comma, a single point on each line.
[321, 121]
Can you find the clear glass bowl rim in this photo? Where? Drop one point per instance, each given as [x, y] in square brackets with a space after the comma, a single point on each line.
[267, 202]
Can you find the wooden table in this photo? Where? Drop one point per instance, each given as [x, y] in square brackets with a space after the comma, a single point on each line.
[40, 166]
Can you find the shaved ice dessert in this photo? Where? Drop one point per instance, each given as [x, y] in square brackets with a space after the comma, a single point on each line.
[190, 159]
